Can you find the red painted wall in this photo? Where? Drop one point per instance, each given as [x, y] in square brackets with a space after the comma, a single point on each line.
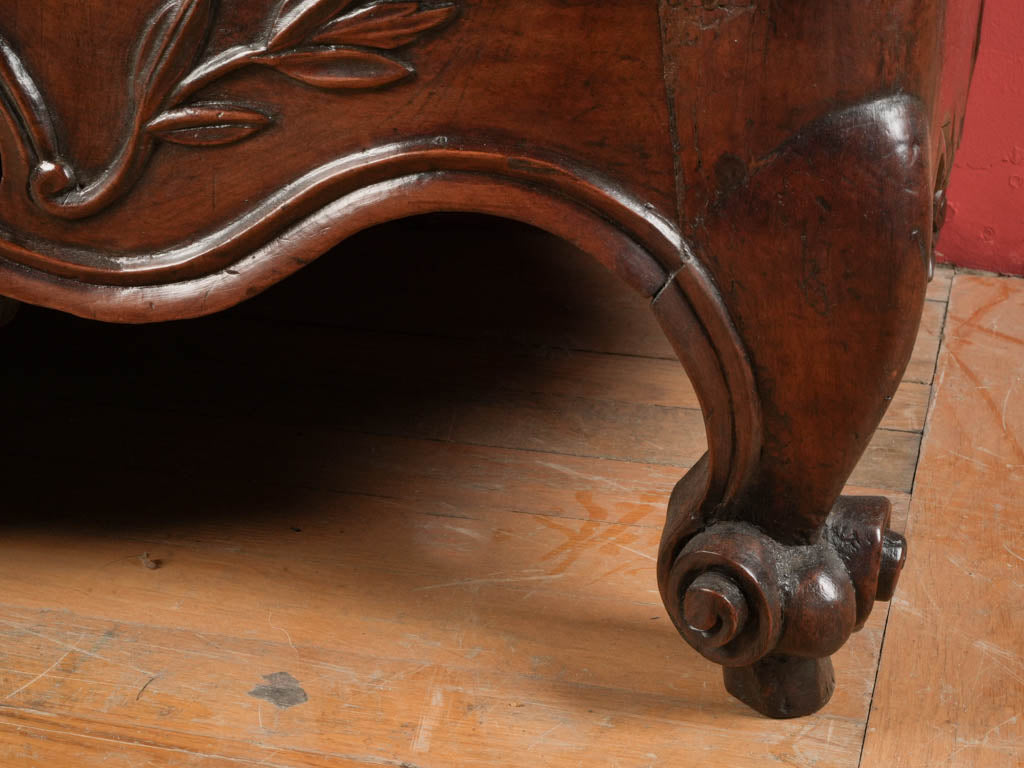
[985, 219]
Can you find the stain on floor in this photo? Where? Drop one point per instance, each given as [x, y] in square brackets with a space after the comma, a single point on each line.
[281, 689]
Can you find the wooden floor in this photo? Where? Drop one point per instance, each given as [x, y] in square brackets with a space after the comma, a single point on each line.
[404, 510]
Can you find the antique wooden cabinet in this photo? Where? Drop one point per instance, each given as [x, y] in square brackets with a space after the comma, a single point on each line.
[769, 173]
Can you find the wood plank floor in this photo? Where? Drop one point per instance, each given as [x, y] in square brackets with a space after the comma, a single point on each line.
[951, 685]
[405, 509]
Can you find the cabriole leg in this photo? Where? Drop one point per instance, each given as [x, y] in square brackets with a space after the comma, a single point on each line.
[823, 274]
[811, 180]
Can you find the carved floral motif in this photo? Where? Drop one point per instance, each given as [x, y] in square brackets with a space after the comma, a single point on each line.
[326, 44]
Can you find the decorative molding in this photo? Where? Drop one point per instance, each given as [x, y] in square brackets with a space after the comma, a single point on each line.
[326, 44]
[320, 193]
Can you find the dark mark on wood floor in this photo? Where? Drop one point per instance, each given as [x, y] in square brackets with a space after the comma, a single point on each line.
[282, 690]
[143, 688]
[150, 564]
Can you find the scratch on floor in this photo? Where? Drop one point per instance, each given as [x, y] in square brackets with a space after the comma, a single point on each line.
[429, 720]
[591, 478]
[1006, 659]
[76, 649]
[543, 737]
[510, 580]
[1006, 402]
[270, 623]
[964, 744]
[45, 672]
[958, 563]
[465, 531]
[634, 551]
[1010, 551]
[967, 458]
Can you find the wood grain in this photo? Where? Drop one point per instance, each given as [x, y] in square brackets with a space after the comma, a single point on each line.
[166, 163]
[951, 683]
[442, 603]
[460, 637]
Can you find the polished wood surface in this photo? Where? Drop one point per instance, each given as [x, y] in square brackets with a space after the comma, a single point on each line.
[768, 176]
[516, 475]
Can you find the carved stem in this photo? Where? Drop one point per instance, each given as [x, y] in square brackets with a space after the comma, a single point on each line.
[53, 185]
[222, 64]
[26, 104]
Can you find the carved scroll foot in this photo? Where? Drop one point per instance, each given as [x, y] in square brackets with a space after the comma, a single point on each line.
[783, 686]
[786, 609]
[772, 614]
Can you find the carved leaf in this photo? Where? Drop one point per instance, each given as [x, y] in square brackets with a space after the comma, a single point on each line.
[341, 68]
[298, 19]
[384, 25]
[148, 49]
[169, 49]
[207, 125]
[166, 73]
[18, 91]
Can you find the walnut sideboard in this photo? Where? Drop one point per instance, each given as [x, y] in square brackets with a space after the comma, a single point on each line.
[769, 173]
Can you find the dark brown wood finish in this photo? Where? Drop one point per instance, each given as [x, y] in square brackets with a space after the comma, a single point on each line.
[769, 174]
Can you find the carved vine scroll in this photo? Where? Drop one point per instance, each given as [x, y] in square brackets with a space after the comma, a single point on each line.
[326, 44]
